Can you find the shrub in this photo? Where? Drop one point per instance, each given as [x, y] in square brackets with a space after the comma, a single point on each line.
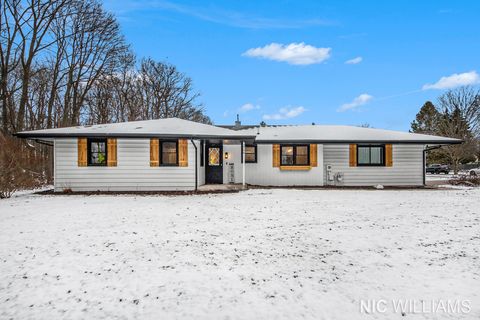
[14, 170]
[465, 180]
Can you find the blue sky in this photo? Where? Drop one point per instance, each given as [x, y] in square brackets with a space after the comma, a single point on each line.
[285, 61]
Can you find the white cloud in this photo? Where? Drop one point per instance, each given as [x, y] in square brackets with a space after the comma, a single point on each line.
[454, 80]
[248, 107]
[354, 60]
[357, 102]
[285, 113]
[293, 53]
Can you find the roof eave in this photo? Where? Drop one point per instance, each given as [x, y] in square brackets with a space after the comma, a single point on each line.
[32, 135]
[429, 142]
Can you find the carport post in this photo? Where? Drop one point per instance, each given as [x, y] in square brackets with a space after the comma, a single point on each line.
[243, 164]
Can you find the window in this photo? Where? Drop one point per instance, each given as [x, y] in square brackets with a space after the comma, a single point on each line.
[97, 152]
[301, 155]
[371, 155]
[169, 153]
[250, 154]
[295, 155]
[214, 156]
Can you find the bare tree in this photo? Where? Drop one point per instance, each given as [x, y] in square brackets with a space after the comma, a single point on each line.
[459, 119]
[32, 21]
[17, 167]
[467, 101]
[93, 51]
[156, 90]
[168, 92]
[9, 59]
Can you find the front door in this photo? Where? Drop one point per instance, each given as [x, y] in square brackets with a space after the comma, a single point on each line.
[214, 164]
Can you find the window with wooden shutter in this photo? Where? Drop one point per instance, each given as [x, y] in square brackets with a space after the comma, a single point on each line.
[183, 152]
[111, 152]
[82, 152]
[388, 155]
[276, 155]
[154, 152]
[169, 153]
[313, 155]
[97, 152]
[353, 155]
[371, 155]
[294, 155]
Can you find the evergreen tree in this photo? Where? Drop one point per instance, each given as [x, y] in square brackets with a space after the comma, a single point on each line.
[426, 121]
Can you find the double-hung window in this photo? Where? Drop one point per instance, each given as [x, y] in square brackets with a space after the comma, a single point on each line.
[250, 154]
[169, 153]
[97, 152]
[371, 155]
[294, 155]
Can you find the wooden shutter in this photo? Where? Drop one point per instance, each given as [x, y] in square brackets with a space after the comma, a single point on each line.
[183, 152]
[111, 152]
[276, 155]
[313, 155]
[388, 155]
[82, 152]
[154, 152]
[353, 155]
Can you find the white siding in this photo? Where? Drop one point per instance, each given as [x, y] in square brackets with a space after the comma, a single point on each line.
[263, 174]
[407, 169]
[132, 173]
[201, 170]
[234, 156]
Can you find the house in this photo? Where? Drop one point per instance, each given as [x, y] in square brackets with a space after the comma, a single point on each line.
[174, 154]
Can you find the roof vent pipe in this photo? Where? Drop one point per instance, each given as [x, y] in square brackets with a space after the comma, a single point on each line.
[238, 124]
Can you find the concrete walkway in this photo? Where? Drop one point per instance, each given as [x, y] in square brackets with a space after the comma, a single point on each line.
[221, 187]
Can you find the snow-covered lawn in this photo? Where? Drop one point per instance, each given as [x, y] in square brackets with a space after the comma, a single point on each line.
[256, 254]
[445, 177]
[436, 177]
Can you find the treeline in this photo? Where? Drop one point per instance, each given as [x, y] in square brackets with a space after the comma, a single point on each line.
[66, 63]
[456, 114]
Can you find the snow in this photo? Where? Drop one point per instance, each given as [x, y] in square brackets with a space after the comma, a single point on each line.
[264, 253]
[159, 127]
[440, 177]
[443, 179]
[341, 134]
[184, 128]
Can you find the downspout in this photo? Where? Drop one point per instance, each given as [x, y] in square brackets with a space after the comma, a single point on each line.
[424, 152]
[196, 164]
